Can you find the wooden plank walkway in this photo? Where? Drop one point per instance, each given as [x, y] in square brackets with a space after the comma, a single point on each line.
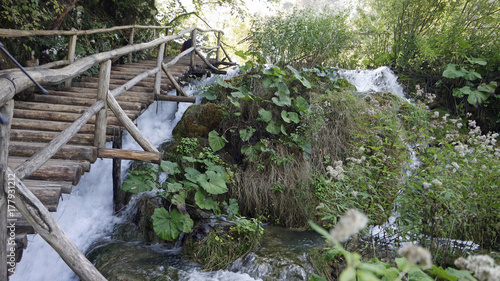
[38, 121]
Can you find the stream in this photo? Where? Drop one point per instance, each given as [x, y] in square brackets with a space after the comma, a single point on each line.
[87, 217]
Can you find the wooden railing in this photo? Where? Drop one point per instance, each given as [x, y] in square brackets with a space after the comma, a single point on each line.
[14, 82]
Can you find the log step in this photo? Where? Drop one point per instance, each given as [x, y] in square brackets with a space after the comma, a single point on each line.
[83, 102]
[69, 152]
[62, 116]
[47, 136]
[56, 126]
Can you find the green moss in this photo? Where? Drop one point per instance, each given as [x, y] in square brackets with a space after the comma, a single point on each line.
[198, 121]
[224, 245]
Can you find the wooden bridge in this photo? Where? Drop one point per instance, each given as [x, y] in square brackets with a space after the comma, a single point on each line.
[51, 139]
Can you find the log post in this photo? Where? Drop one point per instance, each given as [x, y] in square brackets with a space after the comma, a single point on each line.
[193, 38]
[159, 63]
[219, 35]
[129, 125]
[71, 55]
[131, 42]
[166, 44]
[174, 82]
[117, 173]
[46, 226]
[6, 110]
[102, 91]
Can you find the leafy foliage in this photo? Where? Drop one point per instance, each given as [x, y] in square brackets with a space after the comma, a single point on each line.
[304, 38]
[183, 180]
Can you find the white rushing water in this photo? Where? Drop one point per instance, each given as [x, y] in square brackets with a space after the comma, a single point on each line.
[87, 213]
[381, 79]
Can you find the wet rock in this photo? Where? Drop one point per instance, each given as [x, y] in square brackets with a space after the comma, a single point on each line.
[282, 255]
[129, 261]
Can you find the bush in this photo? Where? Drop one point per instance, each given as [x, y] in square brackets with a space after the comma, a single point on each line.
[304, 38]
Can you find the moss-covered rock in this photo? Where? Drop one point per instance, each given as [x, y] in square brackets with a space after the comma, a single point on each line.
[198, 121]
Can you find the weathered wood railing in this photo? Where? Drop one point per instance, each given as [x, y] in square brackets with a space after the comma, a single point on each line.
[14, 82]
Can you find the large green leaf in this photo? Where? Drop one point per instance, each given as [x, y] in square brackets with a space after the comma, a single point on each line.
[246, 134]
[479, 61]
[451, 71]
[169, 225]
[299, 77]
[274, 127]
[138, 183]
[191, 174]
[265, 115]
[282, 99]
[215, 141]
[205, 202]
[301, 104]
[472, 75]
[477, 97]
[213, 182]
[169, 167]
[289, 117]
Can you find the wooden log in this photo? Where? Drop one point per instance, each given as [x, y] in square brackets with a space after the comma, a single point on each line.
[48, 196]
[129, 125]
[65, 186]
[176, 98]
[47, 136]
[66, 108]
[173, 80]
[49, 107]
[117, 176]
[157, 83]
[84, 165]
[140, 97]
[83, 101]
[102, 91]
[6, 111]
[152, 157]
[21, 33]
[70, 152]
[32, 124]
[60, 116]
[57, 173]
[46, 226]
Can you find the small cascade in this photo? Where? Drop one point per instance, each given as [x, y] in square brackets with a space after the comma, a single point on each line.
[381, 79]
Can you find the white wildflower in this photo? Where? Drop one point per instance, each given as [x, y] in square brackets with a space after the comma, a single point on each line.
[349, 224]
[435, 115]
[426, 185]
[455, 164]
[416, 255]
[437, 182]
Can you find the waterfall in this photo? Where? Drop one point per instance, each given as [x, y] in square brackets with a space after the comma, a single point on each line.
[87, 213]
[381, 79]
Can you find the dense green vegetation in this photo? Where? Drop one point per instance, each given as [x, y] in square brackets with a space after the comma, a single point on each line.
[290, 143]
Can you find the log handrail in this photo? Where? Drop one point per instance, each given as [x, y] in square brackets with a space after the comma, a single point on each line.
[4, 32]
[55, 76]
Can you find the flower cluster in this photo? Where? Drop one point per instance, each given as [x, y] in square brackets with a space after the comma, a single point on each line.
[337, 172]
[483, 267]
[416, 255]
[352, 222]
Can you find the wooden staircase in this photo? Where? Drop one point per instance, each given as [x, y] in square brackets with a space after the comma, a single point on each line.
[39, 120]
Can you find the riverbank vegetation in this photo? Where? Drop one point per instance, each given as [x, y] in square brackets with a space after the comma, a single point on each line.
[288, 142]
